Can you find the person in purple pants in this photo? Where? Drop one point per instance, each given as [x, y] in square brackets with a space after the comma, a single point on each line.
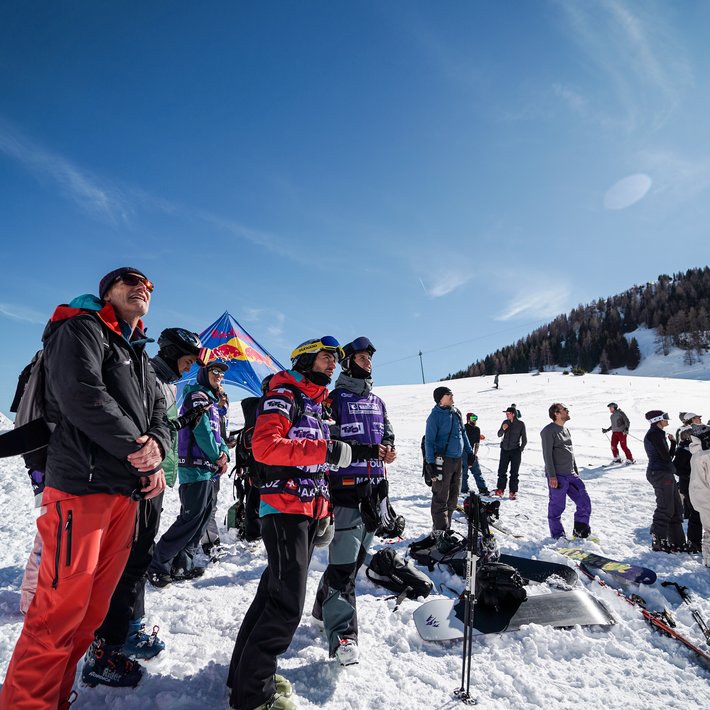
[562, 475]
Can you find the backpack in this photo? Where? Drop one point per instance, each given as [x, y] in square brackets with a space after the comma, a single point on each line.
[499, 585]
[244, 461]
[390, 570]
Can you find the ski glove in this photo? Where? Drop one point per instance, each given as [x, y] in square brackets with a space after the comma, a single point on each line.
[325, 532]
[604, 431]
[365, 452]
[339, 454]
[387, 515]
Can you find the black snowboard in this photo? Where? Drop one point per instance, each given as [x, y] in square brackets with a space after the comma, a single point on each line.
[539, 570]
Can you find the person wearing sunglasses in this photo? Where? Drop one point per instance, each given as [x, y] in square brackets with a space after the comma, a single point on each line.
[667, 533]
[202, 454]
[563, 479]
[292, 443]
[360, 417]
[105, 453]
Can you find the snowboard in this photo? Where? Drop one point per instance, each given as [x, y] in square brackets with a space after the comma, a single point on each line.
[539, 570]
[623, 570]
[442, 619]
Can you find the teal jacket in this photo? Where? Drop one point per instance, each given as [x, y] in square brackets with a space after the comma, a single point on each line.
[199, 447]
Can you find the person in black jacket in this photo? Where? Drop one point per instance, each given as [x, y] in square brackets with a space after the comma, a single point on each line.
[104, 454]
[667, 530]
[512, 445]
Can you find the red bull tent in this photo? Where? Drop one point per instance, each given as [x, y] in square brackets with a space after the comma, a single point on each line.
[248, 362]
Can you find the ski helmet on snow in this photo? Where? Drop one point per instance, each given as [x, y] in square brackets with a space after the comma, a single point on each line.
[179, 342]
[303, 357]
[394, 529]
[613, 404]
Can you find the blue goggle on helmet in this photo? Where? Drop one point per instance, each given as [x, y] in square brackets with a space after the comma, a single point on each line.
[306, 352]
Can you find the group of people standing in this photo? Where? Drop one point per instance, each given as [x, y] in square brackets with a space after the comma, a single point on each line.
[117, 440]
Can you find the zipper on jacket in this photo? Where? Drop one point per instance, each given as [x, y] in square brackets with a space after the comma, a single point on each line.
[58, 552]
[68, 528]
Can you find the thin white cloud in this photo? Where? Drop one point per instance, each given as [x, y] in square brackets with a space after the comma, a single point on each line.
[11, 310]
[445, 282]
[87, 191]
[536, 301]
[638, 56]
[271, 320]
[627, 191]
[676, 177]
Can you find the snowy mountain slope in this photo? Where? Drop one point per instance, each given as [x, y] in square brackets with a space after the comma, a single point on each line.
[628, 666]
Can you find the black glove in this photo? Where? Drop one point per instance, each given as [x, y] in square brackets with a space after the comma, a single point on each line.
[339, 454]
[604, 431]
[387, 514]
[364, 452]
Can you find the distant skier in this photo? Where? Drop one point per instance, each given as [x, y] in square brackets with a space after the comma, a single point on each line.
[619, 428]
[562, 476]
[700, 481]
[495, 381]
[666, 530]
[474, 437]
[512, 445]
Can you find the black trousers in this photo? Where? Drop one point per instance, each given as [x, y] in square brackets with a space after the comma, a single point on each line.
[668, 516]
[512, 457]
[695, 526]
[252, 502]
[128, 600]
[273, 617]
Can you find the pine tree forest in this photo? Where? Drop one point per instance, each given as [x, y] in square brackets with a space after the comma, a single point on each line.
[677, 306]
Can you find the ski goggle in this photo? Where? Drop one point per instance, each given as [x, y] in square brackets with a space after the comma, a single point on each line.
[135, 279]
[471, 418]
[660, 417]
[327, 343]
[359, 345]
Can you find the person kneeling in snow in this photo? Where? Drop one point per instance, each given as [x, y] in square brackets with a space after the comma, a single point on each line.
[562, 475]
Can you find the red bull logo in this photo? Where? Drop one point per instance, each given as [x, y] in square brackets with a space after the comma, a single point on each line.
[237, 349]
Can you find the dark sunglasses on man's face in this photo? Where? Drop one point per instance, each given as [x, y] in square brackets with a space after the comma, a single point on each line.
[217, 372]
[134, 280]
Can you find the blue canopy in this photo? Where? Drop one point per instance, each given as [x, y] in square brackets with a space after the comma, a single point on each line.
[248, 362]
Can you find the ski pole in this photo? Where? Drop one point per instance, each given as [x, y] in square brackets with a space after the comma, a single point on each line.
[473, 515]
[683, 591]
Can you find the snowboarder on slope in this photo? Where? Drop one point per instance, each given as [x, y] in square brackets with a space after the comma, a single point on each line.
[619, 430]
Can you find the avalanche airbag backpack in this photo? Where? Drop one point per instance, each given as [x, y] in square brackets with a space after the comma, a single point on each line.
[390, 570]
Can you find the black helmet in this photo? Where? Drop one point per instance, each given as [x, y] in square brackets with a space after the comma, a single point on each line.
[613, 404]
[361, 344]
[265, 384]
[186, 342]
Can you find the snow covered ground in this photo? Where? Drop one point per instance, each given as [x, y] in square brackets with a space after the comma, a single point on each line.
[627, 666]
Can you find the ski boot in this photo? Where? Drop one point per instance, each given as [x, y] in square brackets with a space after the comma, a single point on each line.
[581, 530]
[107, 665]
[139, 644]
[160, 579]
[347, 653]
[659, 544]
[628, 462]
[614, 461]
[278, 702]
[513, 495]
[283, 686]
[498, 492]
[484, 492]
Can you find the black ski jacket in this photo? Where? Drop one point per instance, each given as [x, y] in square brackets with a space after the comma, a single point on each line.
[101, 392]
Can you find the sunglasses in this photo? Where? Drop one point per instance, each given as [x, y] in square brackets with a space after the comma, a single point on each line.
[217, 372]
[134, 280]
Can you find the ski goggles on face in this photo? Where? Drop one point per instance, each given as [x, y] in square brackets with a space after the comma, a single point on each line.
[660, 417]
[327, 343]
[135, 279]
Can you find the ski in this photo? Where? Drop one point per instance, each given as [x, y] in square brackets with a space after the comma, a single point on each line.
[657, 621]
[624, 570]
[685, 596]
[504, 529]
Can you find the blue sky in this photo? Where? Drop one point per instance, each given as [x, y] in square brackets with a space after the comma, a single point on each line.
[421, 173]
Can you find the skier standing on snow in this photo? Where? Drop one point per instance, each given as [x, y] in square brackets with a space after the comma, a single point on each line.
[667, 529]
[473, 433]
[700, 482]
[512, 445]
[292, 442]
[682, 463]
[445, 443]
[123, 630]
[202, 454]
[562, 476]
[104, 454]
[360, 417]
[619, 430]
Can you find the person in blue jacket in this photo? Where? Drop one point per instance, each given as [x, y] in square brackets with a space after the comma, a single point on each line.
[445, 444]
